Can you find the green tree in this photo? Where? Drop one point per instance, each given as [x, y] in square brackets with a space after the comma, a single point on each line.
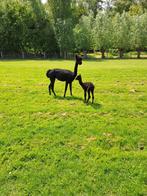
[13, 31]
[121, 6]
[126, 5]
[85, 7]
[25, 26]
[139, 33]
[2, 29]
[83, 34]
[122, 32]
[103, 35]
[63, 24]
[135, 9]
[41, 34]
[64, 36]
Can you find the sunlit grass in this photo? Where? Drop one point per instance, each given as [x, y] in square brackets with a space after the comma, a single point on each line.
[55, 146]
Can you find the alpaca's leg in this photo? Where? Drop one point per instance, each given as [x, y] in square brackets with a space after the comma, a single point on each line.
[70, 85]
[53, 90]
[66, 85]
[88, 96]
[52, 85]
[85, 96]
[49, 88]
[92, 92]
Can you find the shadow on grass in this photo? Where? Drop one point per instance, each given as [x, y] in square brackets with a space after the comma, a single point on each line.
[68, 98]
[94, 105]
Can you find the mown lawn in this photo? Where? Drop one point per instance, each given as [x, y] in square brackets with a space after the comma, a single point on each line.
[55, 146]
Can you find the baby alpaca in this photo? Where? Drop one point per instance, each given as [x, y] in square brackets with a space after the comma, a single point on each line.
[88, 87]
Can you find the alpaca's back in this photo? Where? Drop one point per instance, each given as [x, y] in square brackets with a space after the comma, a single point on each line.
[88, 86]
[61, 74]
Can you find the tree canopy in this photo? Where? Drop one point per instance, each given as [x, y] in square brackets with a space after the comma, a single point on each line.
[62, 27]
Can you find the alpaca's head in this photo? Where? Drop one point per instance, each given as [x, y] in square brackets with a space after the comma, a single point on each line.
[47, 73]
[78, 77]
[79, 60]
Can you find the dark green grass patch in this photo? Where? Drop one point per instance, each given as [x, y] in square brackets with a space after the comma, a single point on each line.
[61, 146]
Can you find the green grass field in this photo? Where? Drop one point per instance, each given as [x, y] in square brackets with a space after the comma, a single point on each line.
[55, 146]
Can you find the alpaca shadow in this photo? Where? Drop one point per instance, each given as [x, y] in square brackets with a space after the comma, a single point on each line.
[94, 105]
[68, 98]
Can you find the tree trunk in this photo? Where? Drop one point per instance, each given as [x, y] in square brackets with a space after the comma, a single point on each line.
[44, 55]
[138, 53]
[120, 53]
[1, 54]
[23, 56]
[103, 54]
[61, 54]
[85, 54]
[65, 55]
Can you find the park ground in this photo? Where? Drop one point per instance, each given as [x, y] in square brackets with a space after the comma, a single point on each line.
[62, 146]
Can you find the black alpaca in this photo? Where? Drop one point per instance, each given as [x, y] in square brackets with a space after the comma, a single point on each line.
[63, 75]
[88, 88]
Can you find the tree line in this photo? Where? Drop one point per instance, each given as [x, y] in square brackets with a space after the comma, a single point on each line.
[60, 28]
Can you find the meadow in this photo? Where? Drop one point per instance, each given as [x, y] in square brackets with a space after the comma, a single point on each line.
[62, 146]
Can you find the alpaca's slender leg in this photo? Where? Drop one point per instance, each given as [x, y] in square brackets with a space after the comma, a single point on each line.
[88, 96]
[85, 96]
[52, 85]
[92, 92]
[66, 85]
[53, 90]
[49, 88]
[70, 85]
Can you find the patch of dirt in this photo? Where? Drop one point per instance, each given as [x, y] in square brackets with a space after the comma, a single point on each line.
[132, 91]
[107, 134]
[91, 139]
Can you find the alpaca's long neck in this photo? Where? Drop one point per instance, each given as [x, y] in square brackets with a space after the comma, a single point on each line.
[81, 83]
[76, 69]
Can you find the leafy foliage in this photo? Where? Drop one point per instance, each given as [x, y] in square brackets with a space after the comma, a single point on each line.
[82, 33]
[103, 32]
[73, 25]
[139, 31]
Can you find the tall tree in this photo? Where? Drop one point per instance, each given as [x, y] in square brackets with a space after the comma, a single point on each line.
[103, 35]
[41, 34]
[2, 29]
[139, 33]
[63, 26]
[14, 25]
[89, 6]
[125, 5]
[83, 34]
[122, 32]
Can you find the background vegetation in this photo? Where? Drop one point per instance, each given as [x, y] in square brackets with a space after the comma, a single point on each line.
[60, 28]
[55, 146]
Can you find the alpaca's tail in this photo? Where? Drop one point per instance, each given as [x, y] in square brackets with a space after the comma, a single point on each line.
[47, 73]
